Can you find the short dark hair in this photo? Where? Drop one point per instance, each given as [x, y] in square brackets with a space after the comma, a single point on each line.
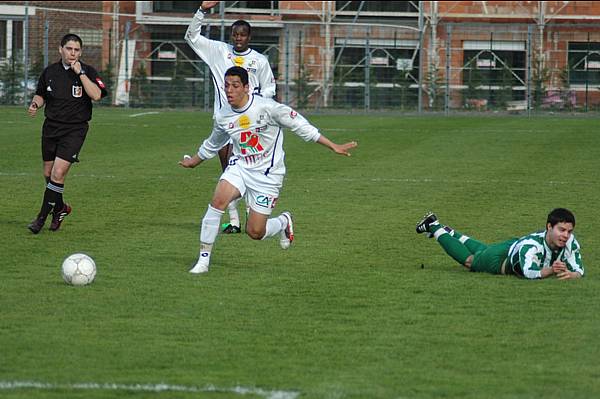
[561, 215]
[238, 71]
[241, 22]
[71, 37]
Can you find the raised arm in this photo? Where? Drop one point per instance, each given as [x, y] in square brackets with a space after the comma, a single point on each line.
[91, 88]
[205, 48]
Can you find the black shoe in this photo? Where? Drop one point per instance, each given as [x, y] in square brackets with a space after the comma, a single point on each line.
[37, 224]
[428, 220]
[58, 217]
[231, 229]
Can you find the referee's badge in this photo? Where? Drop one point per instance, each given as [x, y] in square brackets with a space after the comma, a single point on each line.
[77, 91]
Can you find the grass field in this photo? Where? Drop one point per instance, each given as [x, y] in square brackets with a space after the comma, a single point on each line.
[360, 307]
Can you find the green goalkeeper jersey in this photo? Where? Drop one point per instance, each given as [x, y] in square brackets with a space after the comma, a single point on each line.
[529, 254]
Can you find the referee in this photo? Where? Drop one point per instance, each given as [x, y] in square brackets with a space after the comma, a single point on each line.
[67, 89]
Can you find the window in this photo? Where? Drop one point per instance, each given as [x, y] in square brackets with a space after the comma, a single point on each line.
[175, 6]
[192, 6]
[2, 39]
[390, 60]
[267, 5]
[377, 6]
[499, 63]
[11, 38]
[90, 37]
[17, 36]
[584, 63]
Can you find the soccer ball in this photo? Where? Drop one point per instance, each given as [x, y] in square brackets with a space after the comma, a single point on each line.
[78, 269]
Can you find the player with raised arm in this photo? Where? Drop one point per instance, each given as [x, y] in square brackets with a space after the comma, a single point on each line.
[553, 251]
[256, 170]
[220, 56]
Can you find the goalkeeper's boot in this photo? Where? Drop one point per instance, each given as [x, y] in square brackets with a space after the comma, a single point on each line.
[36, 225]
[287, 234]
[428, 220]
[58, 217]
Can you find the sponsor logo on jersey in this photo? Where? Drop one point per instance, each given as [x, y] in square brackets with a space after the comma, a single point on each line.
[293, 114]
[265, 201]
[244, 122]
[249, 143]
[238, 61]
[77, 91]
[231, 125]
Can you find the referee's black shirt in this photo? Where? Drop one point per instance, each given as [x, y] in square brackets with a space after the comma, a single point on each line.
[64, 95]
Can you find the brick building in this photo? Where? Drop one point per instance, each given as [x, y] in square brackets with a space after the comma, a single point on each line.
[345, 52]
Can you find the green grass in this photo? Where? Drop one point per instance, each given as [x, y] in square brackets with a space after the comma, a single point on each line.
[359, 307]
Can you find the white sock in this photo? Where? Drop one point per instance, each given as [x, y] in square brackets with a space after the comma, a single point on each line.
[234, 216]
[439, 232]
[275, 226]
[210, 228]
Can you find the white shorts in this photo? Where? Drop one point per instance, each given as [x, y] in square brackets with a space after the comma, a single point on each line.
[259, 191]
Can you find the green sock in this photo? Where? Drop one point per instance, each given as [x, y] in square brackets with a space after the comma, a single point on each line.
[454, 248]
[471, 244]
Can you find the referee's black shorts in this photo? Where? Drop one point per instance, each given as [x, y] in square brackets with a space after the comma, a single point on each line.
[62, 140]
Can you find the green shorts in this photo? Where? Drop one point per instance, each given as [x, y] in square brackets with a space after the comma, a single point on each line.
[490, 260]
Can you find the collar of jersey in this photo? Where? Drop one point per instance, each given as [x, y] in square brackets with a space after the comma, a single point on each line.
[242, 110]
[244, 53]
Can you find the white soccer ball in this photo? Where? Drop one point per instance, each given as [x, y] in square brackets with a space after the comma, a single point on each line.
[78, 269]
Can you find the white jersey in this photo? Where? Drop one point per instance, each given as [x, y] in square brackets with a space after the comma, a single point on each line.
[220, 56]
[257, 134]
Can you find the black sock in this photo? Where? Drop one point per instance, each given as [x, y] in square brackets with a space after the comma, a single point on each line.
[52, 198]
[58, 188]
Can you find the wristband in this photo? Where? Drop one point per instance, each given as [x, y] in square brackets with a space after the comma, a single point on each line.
[82, 72]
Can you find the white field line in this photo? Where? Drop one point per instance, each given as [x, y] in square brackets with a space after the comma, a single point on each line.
[344, 179]
[11, 385]
[143, 113]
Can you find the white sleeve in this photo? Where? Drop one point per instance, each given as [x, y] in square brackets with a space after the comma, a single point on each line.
[287, 117]
[573, 258]
[530, 259]
[206, 49]
[266, 80]
[211, 146]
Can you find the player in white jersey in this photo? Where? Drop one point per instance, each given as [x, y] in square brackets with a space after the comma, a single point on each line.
[554, 251]
[220, 56]
[256, 169]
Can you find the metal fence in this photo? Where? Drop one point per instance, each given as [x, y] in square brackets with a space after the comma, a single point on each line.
[377, 66]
